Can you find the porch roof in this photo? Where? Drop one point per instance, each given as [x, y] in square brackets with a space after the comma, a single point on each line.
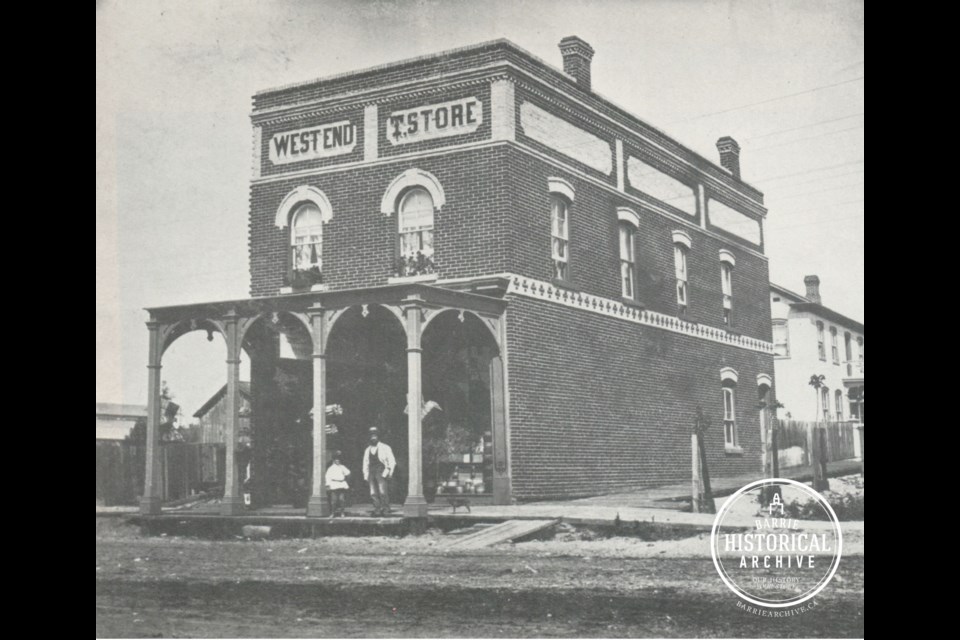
[429, 295]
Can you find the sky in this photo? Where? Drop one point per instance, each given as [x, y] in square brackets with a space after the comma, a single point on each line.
[174, 87]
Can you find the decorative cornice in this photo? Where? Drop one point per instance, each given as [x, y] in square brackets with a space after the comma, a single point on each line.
[380, 96]
[530, 288]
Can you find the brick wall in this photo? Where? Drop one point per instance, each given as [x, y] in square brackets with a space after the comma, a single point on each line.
[359, 243]
[595, 259]
[599, 405]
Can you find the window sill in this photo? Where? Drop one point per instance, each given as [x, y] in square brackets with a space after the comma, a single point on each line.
[733, 451]
[426, 277]
[315, 287]
[630, 302]
[563, 284]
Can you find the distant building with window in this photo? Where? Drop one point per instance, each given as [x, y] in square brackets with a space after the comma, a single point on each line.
[812, 339]
[480, 232]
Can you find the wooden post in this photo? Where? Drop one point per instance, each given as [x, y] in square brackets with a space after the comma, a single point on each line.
[707, 502]
[150, 501]
[319, 504]
[416, 504]
[819, 457]
[232, 503]
[696, 489]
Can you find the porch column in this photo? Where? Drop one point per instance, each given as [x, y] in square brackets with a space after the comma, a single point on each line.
[498, 413]
[232, 503]
[318, 504]
[416, 504]
[151, 499]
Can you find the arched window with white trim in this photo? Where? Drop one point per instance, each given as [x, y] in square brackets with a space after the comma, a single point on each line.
[415, 226]
[628, 262]
[306, 238]
[728, 390]
[681, 247]
[560, 236]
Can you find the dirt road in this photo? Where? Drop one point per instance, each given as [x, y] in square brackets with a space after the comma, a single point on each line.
[347, 587]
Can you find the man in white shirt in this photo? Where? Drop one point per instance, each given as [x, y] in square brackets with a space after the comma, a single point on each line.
[378, 466]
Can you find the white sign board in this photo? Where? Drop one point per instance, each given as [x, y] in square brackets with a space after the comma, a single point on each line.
[443, 120]
[323, 141]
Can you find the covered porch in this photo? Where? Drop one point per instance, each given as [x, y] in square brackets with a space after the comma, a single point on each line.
[423, 363]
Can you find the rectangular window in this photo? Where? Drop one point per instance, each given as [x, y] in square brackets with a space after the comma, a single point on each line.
[726, 284]
[834, 346]
[781, 338]
[860, 353]
[560, 232]
[627, 261]
[680, 263]
[821, 347]
[848, 352]
[729, 418]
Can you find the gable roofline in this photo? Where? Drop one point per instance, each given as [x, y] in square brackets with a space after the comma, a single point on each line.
[243, 388]
[802, 304]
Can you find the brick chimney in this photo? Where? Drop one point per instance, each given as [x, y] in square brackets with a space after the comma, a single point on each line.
[577, 55]
[813, 288]
[729, 155]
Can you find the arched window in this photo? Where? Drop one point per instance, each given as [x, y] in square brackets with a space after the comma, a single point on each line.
[628, 263]
[306, 238]
[560, 236]
[681, 247]
[415, 221]
[680, 264]
[834, 346]
[825, 403]
[729, 415]
[838, 403]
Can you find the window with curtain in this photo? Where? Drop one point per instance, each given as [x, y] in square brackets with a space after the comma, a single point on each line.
[415, 221]
[628, 266]
[560, 234]
[306, 231]
[726, 284]
[680, 264]
[729, 417]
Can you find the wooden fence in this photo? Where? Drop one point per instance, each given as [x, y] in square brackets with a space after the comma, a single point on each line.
[794, 446]
[186, 468]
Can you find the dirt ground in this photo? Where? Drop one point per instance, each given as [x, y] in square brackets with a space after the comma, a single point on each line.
[574, 585]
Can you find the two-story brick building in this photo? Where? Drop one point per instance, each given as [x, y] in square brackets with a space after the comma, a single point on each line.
[559, 284]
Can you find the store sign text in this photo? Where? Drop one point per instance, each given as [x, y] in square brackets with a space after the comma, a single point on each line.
[434, 121]
[325, 141]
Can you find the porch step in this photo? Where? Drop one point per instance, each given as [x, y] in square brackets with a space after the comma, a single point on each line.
[509, 530]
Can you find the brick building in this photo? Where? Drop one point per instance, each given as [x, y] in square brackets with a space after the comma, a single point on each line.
[557, 284]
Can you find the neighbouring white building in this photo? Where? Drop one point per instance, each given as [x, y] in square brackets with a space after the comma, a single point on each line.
[812, 339]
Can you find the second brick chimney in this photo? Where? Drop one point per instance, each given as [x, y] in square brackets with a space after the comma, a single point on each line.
[577, 55]
[729, 155]
[813, 288]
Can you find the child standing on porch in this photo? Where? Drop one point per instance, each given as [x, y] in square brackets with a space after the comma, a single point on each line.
[336, 481]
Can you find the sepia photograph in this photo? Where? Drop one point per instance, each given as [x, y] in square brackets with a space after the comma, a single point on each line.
[480, 319]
